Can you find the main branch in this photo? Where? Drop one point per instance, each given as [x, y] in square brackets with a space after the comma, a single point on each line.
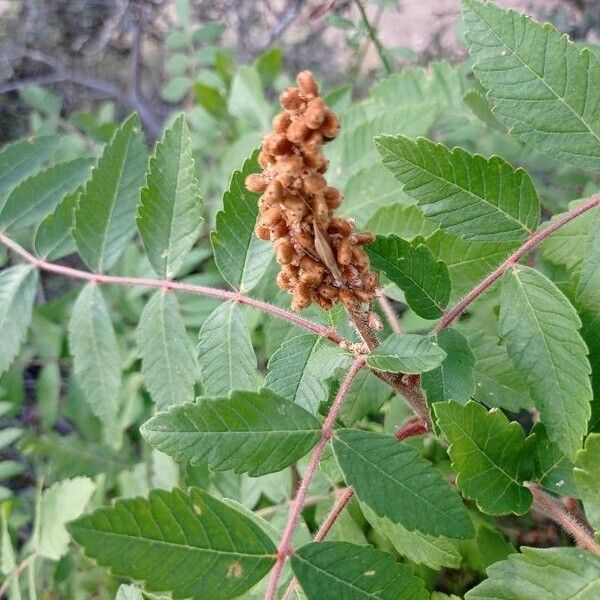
[539, 236]
[285, 546]
[199, 290]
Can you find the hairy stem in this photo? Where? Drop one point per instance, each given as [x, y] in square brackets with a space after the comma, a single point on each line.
[536, 238]
[200, 290]
[580, 532]
[285, 545]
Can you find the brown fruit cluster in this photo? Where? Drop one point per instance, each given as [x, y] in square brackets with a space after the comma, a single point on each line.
[321, 257]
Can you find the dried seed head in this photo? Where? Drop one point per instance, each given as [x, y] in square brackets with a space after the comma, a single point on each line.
[322, 259]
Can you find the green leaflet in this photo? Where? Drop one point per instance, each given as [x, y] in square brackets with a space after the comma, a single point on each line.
[413, 268]
[247, 100]
[241, 257]
[433, 551]
[191, 545]
[553, 470]
[551, 574]
[453, 379]
[333, 570]
[541, 86]
[544, 344]
[18, 286]
[406, 353]
[291, 374]
[587, 478]
[60, 503]
[53, 237]
[366, 395]
[567, 245]
[19, 159]
[96, 356]
[497, 382]
[169, 362]
[257, 433]
[405, 221]
[225, 352]
[104, 219]
[469, 196]
[170, 210]
[38, 195]
[490, 455]
[395, 482]
[588, 290]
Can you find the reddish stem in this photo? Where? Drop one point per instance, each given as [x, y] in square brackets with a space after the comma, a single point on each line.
[285, 545]
[580, 532]
[412, 427]
[451, 315]
[200, 290]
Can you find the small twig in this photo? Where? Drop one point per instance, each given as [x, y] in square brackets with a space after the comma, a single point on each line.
[285, 545]
[580, 532]
[390, 313]
[16, 573]
[374, 38]
[200, 290]
[536, 238]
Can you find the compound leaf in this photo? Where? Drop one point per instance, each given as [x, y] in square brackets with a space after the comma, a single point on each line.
[551, 573]
[490, 455]
[541, 86]
[468, 195]
[395, 482]
[241, 257]
[406, 353]
[169, 362]
[415, 270]
[332, 570]
[170, 211]
[18, 286]
[191, 545]
[543, 341]
[104, 219]
[225, 352]
[257, 433]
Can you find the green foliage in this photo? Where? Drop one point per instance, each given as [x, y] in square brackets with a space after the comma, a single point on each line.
[292, 372]
[105, 214]
[96, 356]
[203, 549]
[553, 573]
[17, 294]
[544, 344]
[276, 429]
[241, 257]
[339, 569]
[587, 478]
[257, 433]
[531, 71]
[490, 456]
[169, 362]
[413, 268]
[475, 198]
[453, 379]
[38, 195]
[225, 352]
[407, 353]
[398, 484]
[170, 211]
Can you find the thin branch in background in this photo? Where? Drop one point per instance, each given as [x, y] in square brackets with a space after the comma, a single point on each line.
[535, 239]
[389, 312]
[580, 532]
[372, 33]
[285, 545]
[286, 18]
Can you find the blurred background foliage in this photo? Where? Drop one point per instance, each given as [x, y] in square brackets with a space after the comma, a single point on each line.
[75, 69]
